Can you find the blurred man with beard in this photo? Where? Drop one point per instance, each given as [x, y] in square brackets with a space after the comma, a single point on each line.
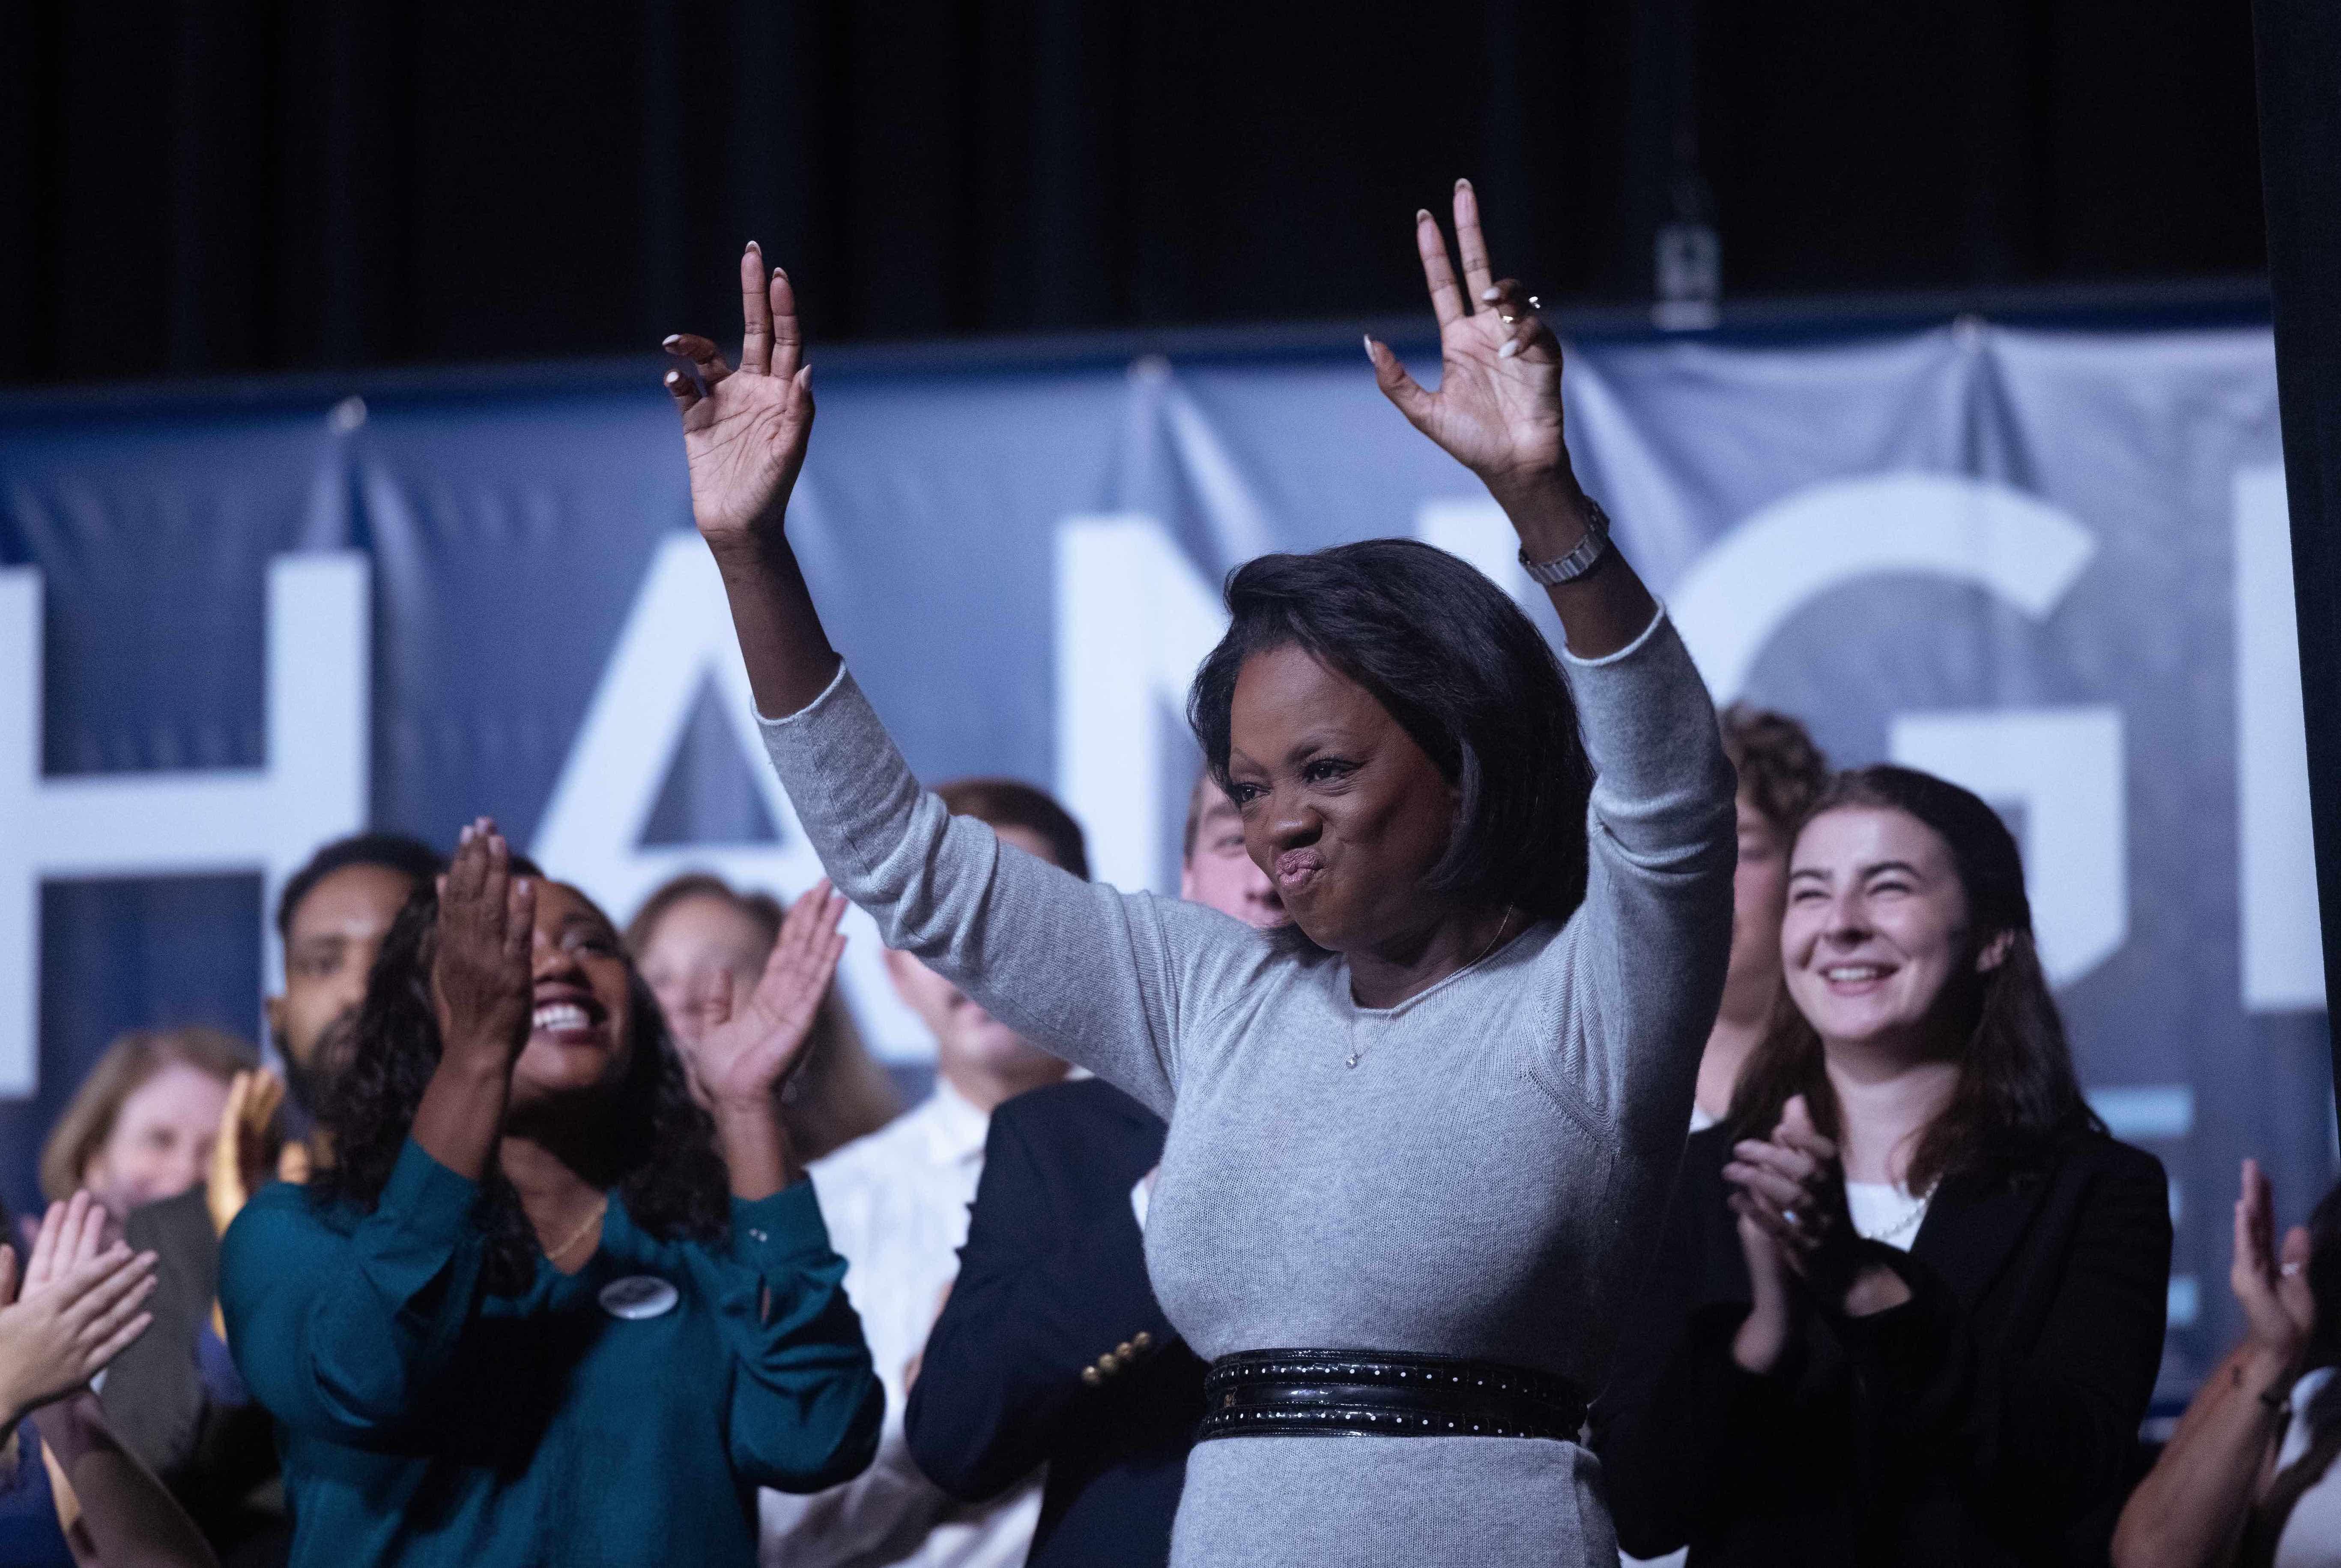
[174, 1396]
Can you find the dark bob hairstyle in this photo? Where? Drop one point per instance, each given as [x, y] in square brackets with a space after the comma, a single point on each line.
[1462, 669]
[657, 1148]
[2016, 1093]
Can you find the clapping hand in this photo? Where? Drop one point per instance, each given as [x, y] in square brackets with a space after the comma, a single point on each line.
[78, 1308]
[1498, 407]
[481, 984]
[1789, 1186]
[1791, 1189]
[2279, 1311]
[751, 1045]
[1781, 1192]
[744, 430]
[245, 1152]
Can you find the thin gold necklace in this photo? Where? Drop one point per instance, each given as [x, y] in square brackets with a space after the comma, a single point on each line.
[554, 1256]
[1357, 1051]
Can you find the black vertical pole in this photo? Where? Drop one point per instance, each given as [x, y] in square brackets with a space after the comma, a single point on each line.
[2298, 48]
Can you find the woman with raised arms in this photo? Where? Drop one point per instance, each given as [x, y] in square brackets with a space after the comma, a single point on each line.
[1419, 1145]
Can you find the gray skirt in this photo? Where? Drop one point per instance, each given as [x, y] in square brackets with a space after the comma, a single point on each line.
[1402, 1502]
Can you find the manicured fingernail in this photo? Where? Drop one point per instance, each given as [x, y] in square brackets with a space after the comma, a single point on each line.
[1462, 184]
[520, 885]
[1369, 345]
[1511, 346]
[670, 340]
[781, 273]
[1422, 214]
[754, 246]
[1492, 293]
[674, 378]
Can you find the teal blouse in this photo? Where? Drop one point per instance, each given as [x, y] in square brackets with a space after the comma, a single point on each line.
[425, 1421]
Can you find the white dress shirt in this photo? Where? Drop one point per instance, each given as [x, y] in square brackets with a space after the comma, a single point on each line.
[2312, 1535]
[896, 1205]
[1886, 1211]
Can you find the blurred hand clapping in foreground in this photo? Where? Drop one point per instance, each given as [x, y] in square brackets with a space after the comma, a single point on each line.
[77, 1308]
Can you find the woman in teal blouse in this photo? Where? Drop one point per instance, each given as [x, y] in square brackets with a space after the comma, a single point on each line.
[548, 1304]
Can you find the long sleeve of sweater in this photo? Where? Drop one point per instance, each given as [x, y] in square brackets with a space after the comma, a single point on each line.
[1106, 979]
[1644, 972]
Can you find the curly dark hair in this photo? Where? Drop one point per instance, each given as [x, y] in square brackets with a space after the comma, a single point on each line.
[1781, 770]
[2017, 1092]
[1463, 672]
[660, 1146]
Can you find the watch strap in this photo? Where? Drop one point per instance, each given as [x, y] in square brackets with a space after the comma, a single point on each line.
[1579, 561]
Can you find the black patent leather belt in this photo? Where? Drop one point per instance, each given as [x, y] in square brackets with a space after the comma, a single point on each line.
[1382, 1393]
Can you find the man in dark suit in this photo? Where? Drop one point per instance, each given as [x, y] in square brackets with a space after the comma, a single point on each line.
[174, 1396]
[1051, 1349]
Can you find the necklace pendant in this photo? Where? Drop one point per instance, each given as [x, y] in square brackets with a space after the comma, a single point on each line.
[1352, 1060]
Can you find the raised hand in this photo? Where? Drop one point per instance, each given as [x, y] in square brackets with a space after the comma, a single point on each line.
[1498, 412]
[1498, 407]
[247, 1146]
[2279, 1311]
[750, 1047]
[481, 984]
[78, 1309]
[744, 430]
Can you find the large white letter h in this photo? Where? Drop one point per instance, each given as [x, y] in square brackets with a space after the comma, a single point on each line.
[266, 819]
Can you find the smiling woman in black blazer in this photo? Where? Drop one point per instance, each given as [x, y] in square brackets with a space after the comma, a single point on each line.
[1909, 1306]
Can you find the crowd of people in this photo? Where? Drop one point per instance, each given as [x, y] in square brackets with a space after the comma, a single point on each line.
[1338, 1210]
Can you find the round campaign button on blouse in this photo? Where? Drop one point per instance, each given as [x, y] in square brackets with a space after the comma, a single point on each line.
[638, 1296]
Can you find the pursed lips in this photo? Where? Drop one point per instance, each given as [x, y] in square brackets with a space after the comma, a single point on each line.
[1296, 869]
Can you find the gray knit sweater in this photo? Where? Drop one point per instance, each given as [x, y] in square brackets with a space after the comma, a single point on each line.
[1487, 1182]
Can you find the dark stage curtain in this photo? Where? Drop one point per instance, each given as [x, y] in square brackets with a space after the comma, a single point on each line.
[211, 186]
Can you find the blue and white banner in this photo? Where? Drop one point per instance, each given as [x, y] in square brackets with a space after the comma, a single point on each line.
[2053, 566]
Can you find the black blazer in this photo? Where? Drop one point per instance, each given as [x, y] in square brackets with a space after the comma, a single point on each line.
[1052, 1281]
[1990, 1419]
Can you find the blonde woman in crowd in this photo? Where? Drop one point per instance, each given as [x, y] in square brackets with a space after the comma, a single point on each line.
[140, 1128]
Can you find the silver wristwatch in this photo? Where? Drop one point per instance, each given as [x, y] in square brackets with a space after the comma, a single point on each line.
[1579, 561]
